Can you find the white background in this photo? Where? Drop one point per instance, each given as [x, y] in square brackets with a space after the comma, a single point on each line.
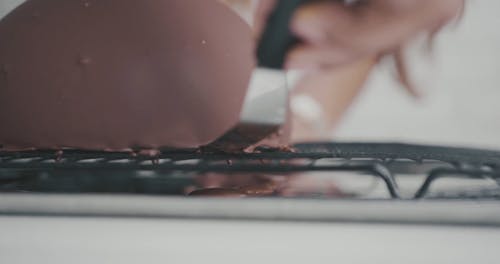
[91, 240]
[462, 103]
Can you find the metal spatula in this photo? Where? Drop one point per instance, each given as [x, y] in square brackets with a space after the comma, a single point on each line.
[266, 103]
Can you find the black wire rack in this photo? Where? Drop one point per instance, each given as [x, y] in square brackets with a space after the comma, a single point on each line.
[383, 160]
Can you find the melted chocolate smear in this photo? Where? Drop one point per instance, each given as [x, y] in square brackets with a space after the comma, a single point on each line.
[259, 190]
[150, 153]
[279, 148]
[241, 138]
[262, 190]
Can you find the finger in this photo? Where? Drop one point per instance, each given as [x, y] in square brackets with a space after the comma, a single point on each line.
[314, 58]
[312, 22]
[371, 27]
[328, 23]
[404, 75]
[262, 10]
[334, 89]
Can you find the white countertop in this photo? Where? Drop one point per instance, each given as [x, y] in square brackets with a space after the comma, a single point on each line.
[113, 240]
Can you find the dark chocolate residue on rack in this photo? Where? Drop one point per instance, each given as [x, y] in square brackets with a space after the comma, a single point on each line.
[385, 161]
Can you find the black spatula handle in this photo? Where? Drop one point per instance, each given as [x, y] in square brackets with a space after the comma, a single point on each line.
[277, 38]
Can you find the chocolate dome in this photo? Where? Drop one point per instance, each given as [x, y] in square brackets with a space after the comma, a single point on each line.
[121, 74]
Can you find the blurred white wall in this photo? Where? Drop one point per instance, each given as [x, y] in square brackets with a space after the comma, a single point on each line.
[7, 5]
[462, 87]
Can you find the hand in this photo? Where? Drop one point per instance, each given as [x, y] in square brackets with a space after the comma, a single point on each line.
[334, 33]
[341, 43]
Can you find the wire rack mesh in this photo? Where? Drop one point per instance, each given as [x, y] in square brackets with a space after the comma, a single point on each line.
[381, 160]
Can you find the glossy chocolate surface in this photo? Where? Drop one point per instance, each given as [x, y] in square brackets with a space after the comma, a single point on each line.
[121, 74]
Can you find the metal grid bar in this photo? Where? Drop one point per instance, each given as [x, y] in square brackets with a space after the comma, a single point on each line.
[368, 158]
[441, 173]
